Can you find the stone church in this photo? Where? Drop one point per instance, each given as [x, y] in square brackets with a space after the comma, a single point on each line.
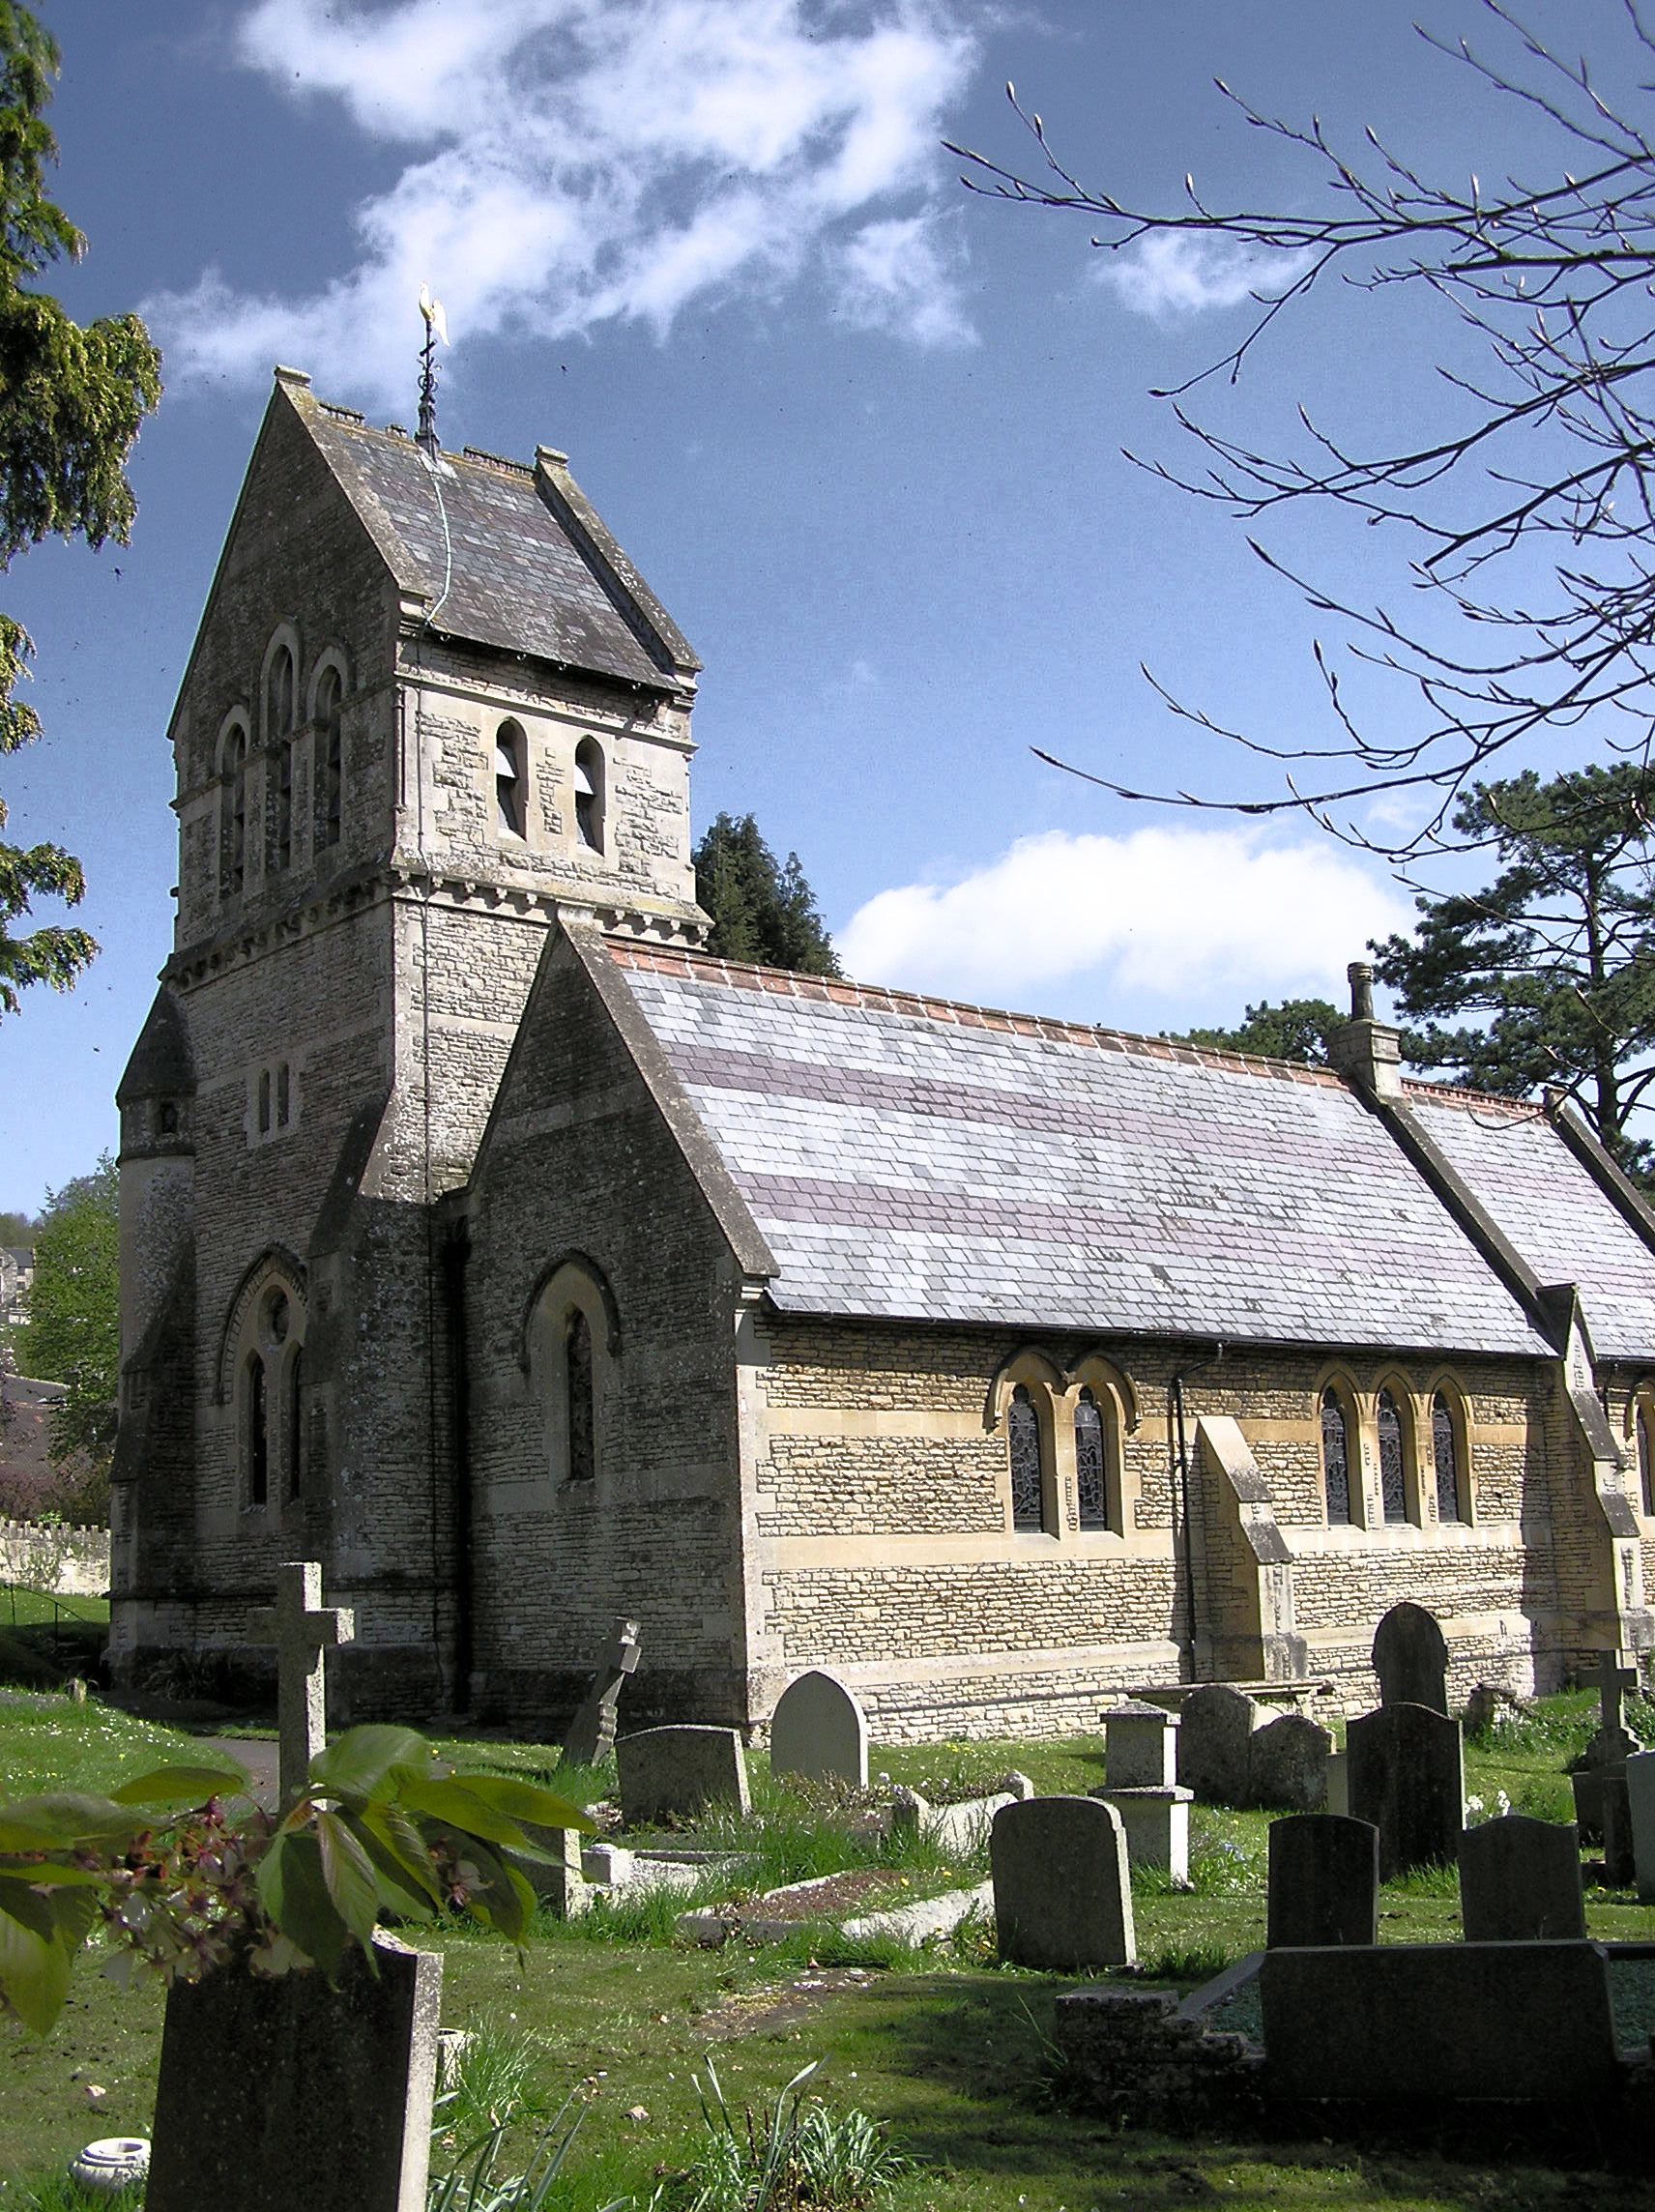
[485, 1240]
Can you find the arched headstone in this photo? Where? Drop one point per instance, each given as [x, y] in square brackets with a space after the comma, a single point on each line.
[1324, 1882]
[1062, 1895]
[1411, 1658]
[818, 1731]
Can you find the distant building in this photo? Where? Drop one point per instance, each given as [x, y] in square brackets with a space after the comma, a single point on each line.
[485, 1239]
[17, 1280]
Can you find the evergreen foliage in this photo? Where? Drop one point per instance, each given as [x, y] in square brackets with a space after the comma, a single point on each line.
[1555, 954]
[73, 1332]
[1299, 1029]
[759, 910]
[70, 402]
[16, 1228]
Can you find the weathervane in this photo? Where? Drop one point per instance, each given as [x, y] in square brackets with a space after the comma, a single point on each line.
[436, 327]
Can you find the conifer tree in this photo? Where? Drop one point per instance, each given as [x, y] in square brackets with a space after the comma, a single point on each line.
[70, 402]
[1299, 1029]
[760, 909]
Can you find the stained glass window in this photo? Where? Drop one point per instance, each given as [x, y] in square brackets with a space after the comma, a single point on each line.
[258, 1433]
[294, 1425]
[577, 1370]
[1022, 1440]
[1091, 1472]
[1445, 1458]
[1335, 1460]
[1393, 1485]
[1646, 1457]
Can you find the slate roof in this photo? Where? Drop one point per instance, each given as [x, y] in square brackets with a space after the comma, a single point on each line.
[1550, 1208]
[910, 1159]
[517, 576]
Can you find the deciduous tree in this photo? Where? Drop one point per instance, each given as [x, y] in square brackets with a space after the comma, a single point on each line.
[70, 402]
[1527, 494]
[73, 1334]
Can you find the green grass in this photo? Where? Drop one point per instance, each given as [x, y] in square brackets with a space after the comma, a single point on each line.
[34, 1608]
[947, 2049]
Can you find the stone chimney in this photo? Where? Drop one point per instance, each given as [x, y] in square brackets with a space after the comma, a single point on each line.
[1365, 1052]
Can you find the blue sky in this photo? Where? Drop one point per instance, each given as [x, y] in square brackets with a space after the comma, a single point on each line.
[862, 432]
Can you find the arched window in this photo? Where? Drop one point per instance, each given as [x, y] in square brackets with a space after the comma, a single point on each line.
[296, 1422]
[1445, 1460]
[233, 819]
[279, 695]
[1026, 1447]
[1092, 1455]
[258, 1418]
[264, 1102]
[281, 829]
[578, 1398]
[510, 809]
[1393, 1478]
[589, 794]
[1335, 1458]
[328, 760]
[1645, 1429]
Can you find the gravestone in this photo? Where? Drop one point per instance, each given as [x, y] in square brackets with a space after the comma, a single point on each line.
[1214, 1743]
[1405, 1774]
[592, 1732]
[818, 1731]
[1640, 1807]
[1140, 1746]
[1063, 1896]
[1395, 2023]
[304, 1631]
[1324, 1882]
[670, 1773]
[279, 2091]
[1289, 1763]
[1411, 1658]
[1520, 1881]
[559, 1879]
[1601, 1805]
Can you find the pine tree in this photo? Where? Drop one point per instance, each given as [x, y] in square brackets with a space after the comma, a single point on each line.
[70, 403]
[1557, 955]
[1299, 1029]
[759, 910]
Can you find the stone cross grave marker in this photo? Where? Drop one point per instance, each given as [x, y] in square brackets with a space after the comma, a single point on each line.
[1324, 1882]
[1411, 1658]
[592, 1732]
[302, 1630]
[1520, 1881]
[818, 1730]
[1601, 1804]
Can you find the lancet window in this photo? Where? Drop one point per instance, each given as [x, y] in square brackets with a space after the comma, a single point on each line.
[589, 794]
[328, 769]
[1393, 1477]
[1335, 1458]
[510, 808]
[1445, 1460]
[1025, 1446]
[1092, 1462]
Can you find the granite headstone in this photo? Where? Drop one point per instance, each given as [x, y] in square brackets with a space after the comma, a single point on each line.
[1405, 1774]
[1289, 1757]
[818, 1731]
[1411, 1658]
[1324, 1882]
[1063, 1896]
[1520, 1881]
[670, 1773]
[1214, 1740]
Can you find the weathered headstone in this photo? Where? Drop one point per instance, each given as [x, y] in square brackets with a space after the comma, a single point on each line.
[304, 1631]
[1395, 2023]
[1140, 1746]
[957, 1829]
[1215, 1744]
[1520, 1881]
[1411, 1658]
[1063, 1896]
[670, 1773]
[1289, 1757]
[1324, 1880]
[1601, 1805]
[559, 1879]
[1405, 1774]
[592, 1732]
[277, 2091]
[818, 1731]
[1640, 1807]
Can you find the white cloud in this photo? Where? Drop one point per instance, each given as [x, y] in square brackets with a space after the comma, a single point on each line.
[1179, 912]
[1170, 274]
[573, 161]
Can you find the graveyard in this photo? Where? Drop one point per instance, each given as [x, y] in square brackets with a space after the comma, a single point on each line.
[924, 1925]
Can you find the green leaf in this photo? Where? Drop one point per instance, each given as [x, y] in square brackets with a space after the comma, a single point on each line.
[72, 1911]
[34, 1972]
[27, 1907]
[63, 1819]
[294, 1893]
[502, 1899]
[519, 1800]
[348, 1871]
[357, 1765]
[401, 1859]
[182, 1786]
